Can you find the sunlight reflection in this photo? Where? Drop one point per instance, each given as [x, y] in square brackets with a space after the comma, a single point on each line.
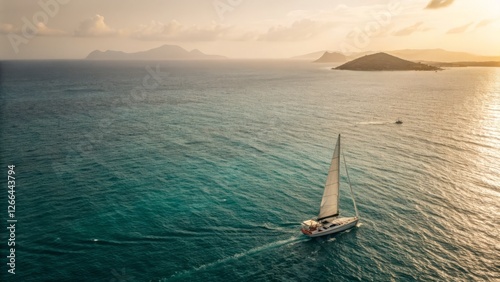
[490, 123]
[489, 131]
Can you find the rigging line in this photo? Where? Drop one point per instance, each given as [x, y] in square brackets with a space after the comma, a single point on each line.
[349, 180]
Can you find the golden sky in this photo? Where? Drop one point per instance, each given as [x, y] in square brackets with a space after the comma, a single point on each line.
[70, 29]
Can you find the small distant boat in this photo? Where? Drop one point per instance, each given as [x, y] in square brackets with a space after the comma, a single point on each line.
[329, 220]
[399, 121]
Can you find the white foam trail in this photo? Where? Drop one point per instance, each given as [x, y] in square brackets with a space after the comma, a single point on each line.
[374, 122]
[240, 255]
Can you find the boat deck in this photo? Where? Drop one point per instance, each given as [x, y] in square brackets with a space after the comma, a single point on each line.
[313, 228]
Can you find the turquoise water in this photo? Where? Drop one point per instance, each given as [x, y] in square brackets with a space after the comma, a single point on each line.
[206, 175]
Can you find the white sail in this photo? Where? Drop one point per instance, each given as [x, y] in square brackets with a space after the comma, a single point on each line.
[330, 202]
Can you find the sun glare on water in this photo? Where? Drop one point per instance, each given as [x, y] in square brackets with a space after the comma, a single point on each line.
[493, 110]
[489, 130]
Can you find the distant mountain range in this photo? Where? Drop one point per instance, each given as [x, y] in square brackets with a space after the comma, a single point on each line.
[332, 57]
[465, 64]
[440, 55]
[310, 56]
[384, 62]
[165, 52]
[416, 55]
[435, 57]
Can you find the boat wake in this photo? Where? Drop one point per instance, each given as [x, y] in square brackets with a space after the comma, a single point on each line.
[282, 228]
[272, 245]
[374, 122]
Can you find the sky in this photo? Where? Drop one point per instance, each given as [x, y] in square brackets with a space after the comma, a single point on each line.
[70, 29]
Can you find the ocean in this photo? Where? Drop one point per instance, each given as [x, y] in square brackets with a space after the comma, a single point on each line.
[203, 171]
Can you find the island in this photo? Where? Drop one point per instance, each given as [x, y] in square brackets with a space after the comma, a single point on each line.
[331, 57]
[164, 52]
[384, 62]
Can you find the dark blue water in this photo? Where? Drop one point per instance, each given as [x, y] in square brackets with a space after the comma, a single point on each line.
[203, 171]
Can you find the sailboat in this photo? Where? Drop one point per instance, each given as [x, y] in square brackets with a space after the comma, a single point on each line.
[329, 220]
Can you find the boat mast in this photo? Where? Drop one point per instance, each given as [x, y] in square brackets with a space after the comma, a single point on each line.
[349, 180]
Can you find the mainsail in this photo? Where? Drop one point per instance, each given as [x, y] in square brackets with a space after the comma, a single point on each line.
[330, 202]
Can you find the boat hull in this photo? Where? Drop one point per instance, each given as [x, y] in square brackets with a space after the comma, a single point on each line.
[348, 223]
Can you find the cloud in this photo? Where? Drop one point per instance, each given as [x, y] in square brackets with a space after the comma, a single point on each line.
[410, 29]
[436, 4]
[95, 27]
[40, 29]
[342, 13]
[7, 28]
[174, 30]
[459, 29]
[299, 30]
[484, 23]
